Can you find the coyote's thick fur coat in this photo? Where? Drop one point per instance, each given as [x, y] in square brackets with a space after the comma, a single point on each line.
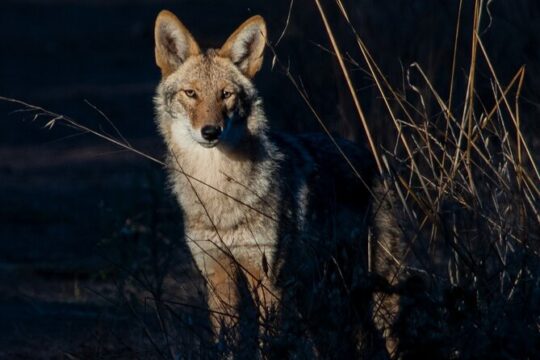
[287, 216]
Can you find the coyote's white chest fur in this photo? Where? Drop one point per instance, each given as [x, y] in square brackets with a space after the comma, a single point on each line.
[229, 203]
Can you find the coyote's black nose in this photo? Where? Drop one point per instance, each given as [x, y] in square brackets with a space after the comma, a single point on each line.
[210, 132]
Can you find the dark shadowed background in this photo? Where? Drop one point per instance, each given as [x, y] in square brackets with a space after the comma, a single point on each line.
[70, 203]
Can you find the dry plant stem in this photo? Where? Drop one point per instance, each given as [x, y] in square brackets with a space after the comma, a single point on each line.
[451, 90]
[518, 117]
[468, 113]
[352, 91]
[286, 23]
[476, 130]
[377, 75]
[470, 141]
[306, 100]
[514, 117]
[499, 99]
[103, 115]
[454, 56]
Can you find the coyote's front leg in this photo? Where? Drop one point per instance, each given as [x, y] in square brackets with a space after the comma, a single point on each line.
[240, 295]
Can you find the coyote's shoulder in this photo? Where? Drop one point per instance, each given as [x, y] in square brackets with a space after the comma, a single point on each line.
[288, 216]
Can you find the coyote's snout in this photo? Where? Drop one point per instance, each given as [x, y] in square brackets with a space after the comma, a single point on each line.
[274, 220]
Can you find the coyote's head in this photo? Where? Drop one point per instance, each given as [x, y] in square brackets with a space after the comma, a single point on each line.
[208, 96]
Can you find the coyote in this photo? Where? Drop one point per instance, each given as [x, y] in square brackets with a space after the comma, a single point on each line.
[275, 220]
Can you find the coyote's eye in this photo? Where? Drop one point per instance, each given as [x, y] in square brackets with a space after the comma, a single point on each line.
[190, 93]
[227, 94]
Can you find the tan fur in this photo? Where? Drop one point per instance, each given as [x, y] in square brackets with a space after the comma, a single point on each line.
[251, 62]
[222, 277]
[167, 45]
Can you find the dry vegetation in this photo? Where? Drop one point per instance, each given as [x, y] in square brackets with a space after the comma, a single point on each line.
[467, 185]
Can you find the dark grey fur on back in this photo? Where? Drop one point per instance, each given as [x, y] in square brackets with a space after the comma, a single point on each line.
[322, 252]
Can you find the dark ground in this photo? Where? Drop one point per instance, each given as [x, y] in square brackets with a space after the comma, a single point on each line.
[65, 198]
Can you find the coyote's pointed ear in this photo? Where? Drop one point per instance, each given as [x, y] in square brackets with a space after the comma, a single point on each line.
[174, 43]
[246, 45]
